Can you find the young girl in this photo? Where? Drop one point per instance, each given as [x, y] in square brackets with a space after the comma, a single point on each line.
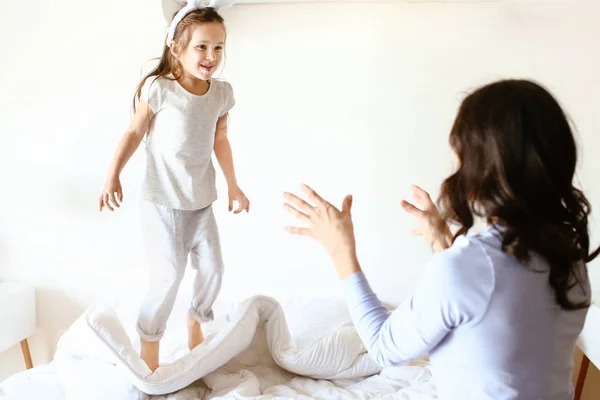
[184, 113]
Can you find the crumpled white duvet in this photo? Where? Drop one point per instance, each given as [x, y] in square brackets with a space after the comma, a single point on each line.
[260, 350]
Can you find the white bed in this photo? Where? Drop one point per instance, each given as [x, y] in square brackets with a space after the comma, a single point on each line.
[408, 383]
[252, 373]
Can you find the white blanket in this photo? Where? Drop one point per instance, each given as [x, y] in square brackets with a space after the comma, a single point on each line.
[254, 352]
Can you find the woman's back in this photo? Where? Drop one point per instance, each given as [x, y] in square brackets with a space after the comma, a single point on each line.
[513, 341]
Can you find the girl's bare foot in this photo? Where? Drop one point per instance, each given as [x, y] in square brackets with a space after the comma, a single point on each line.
[149, 353]
[195, 336]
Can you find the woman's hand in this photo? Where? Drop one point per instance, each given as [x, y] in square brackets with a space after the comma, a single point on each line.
[331, 227]
[431, 225]
[111, 187]
[236, 194]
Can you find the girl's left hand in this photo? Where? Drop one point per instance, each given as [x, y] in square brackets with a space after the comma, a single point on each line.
[326, 224]
[236, 194]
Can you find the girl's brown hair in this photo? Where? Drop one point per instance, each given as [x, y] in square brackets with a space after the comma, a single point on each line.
[168, 64]
[518, 158]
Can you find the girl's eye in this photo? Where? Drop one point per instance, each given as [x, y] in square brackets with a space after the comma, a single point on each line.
[218, 48]
[202, 47]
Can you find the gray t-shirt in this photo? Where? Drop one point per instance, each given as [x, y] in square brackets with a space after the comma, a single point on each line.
[179, 142]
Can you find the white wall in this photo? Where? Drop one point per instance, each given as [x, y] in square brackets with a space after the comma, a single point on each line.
[352, 98]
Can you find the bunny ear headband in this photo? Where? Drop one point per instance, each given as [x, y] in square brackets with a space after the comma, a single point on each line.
[192, 5]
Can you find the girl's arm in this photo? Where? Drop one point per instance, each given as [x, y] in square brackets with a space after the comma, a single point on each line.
[127, 146]
[223, 152]
[224, 155]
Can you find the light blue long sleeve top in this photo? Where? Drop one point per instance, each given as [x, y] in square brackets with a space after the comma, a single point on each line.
[491, 326]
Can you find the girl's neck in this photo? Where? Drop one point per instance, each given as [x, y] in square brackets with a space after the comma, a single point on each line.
[194, 85]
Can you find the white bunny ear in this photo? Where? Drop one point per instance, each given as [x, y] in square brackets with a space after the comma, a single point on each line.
[191, 6]
[170, 8]
[220, 4]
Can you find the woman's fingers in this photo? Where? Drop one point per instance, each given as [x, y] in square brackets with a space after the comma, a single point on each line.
[299, 203]
[422, 197]
[297, 230]
[411, 209]
[314, 196]
[299, 215]
[347, 204]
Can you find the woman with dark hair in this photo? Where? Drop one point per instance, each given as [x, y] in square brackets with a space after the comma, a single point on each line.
[499, 311]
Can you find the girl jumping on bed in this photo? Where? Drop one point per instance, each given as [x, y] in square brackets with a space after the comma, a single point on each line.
[182, 111]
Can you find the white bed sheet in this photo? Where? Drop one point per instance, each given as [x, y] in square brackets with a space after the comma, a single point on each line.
[241, 378]
[38, 383]
[409, 382]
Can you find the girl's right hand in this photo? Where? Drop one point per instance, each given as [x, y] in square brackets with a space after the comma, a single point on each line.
[112, 186]
[431, 224]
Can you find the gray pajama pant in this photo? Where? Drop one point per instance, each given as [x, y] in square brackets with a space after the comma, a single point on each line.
[172, 237]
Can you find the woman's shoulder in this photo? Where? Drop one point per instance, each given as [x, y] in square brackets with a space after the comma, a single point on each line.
[464, 248]
[463, 278]
[467, 260]
[478, 245]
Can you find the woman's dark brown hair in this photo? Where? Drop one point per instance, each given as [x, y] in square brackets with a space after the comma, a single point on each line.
[517, 160]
